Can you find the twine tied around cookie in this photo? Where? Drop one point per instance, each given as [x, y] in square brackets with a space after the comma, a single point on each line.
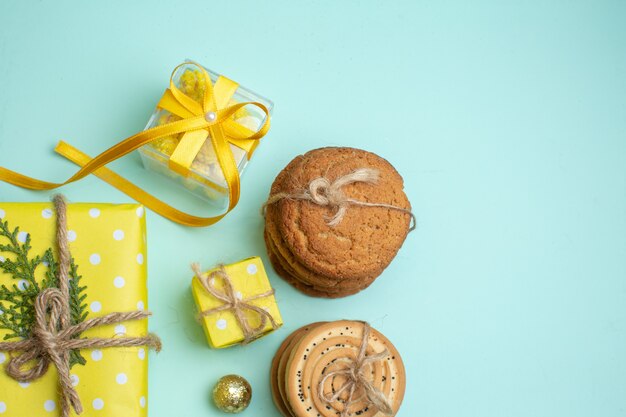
[355, 379]
[234, 303]
[53, 335]
[323, 192]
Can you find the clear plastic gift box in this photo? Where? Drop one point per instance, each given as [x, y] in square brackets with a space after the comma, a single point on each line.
[205, 178]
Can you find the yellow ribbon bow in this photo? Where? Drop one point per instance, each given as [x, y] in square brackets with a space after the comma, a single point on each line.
[209, 120]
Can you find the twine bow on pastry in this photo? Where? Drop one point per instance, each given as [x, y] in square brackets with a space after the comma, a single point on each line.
[355, 380]
[323, 192]
[53, 336]
[235, 304]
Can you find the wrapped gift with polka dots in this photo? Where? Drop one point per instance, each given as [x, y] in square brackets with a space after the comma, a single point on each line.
[251, 294]
[108, 245]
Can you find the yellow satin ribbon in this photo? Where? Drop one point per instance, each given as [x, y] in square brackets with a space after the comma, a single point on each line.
[212, 118]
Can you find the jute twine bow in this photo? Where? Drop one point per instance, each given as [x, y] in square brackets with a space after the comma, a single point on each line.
[234, 303]
[53, 336]
[355, 379]
[325, 193]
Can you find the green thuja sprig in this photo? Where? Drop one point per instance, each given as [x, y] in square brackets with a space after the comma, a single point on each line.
[17, 301]
[78, 308]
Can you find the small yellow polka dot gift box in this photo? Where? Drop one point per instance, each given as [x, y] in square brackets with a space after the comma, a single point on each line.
[107, 275]
[235, 302]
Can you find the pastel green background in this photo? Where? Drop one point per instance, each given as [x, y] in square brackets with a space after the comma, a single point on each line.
[506, 119]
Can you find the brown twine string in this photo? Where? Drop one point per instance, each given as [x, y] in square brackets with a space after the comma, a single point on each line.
[325, 193]
[356, 379]
[53, 336]
[233, 303]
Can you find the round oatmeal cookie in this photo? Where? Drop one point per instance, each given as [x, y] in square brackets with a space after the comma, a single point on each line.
[294, 282]
[298, 271]
[366, 240]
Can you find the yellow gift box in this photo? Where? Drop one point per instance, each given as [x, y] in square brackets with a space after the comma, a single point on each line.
[256, 299]
[108, 244]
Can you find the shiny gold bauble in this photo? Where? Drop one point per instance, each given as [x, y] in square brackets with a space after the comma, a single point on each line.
[232, 394]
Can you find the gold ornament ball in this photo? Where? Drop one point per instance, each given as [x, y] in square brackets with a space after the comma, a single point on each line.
[232, 394]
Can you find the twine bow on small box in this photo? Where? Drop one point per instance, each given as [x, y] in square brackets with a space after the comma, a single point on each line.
[231, 302]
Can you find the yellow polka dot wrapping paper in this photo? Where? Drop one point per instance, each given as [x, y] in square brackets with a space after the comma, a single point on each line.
[107, 243]
[249, 279]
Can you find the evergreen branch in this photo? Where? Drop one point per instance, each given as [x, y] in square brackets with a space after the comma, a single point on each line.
[17, 301]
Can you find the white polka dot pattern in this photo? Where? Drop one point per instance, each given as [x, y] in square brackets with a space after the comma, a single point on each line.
[119, 282]
[22, 236]
[108, 248]
[96, 355]
[71, 236]
[49, 405]
[118, 234]
[98, 404]
[95, 259]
